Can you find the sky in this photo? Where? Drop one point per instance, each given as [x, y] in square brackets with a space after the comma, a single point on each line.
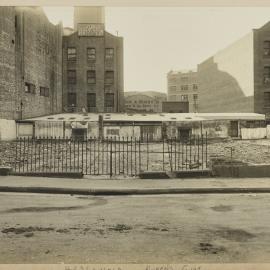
[160, 39]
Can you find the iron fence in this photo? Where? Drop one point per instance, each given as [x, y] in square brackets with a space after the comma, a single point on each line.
[109, 156]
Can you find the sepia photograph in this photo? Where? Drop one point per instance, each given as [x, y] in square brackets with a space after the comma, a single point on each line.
[135, 134]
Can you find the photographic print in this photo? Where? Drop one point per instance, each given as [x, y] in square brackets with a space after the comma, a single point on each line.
[135, 134]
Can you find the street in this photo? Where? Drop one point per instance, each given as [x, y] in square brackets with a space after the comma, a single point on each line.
[215, 228]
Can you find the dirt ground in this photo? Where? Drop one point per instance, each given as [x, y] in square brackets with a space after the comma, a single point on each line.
[135, 229]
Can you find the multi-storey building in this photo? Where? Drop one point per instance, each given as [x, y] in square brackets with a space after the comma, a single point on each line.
[183, 86]
[237, 78]
[30, 63]
[92, 65]
[147, 101]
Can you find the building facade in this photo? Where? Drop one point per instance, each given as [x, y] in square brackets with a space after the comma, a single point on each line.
[237, 78]
[92, 69]
[148, 101]
[183, 87]
[175, 106]
[31, 63]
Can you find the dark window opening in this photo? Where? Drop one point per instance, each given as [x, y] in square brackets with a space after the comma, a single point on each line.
[109, 53]
[109, 77]
[29, 88]
[266, 74]
[91, 76]
[266, 47]
[79, 133]
[71, 76]
[71, 54]
[184, 97]
[184, 87]
[72, 100]
[91, 54]
[266, 99]
[109, 100]
[233, 131]
[44, 91]
[184, 134]
[91, 100]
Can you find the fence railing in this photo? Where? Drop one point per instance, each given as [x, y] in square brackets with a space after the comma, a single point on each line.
[109, 156]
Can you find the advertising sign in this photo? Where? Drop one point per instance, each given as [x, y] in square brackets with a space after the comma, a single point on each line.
[90, 29]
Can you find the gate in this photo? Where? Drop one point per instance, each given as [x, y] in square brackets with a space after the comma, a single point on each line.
[109, 156]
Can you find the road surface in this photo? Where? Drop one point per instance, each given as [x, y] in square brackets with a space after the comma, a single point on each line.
[216, 228]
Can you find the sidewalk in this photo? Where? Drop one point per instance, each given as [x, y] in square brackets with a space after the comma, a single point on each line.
[129, 186]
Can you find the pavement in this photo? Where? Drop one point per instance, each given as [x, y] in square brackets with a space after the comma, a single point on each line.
[133, 186]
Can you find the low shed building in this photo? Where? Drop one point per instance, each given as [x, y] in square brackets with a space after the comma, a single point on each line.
[150, 127]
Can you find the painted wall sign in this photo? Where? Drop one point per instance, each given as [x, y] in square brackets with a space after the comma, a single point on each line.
[90, 29]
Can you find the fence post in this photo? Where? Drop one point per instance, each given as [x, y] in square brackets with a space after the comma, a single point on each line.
[139, 154]
[111, 157]
[206, 145]
[147, 147]
[82, 154]
[163, 154]
[202, 151]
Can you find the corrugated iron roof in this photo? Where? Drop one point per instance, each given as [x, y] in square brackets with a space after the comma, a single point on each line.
[153, 117]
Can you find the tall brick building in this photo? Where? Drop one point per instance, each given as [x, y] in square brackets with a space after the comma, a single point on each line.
[30, 63]
[237, 78]
[183, 87]
[92, 66]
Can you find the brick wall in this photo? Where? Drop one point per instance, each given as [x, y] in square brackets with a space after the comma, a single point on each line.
[7, 63]
[261, 60]
[30, 52]
[38, 62]
[100, 65]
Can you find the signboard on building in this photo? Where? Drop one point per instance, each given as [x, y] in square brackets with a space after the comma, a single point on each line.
[90, 29]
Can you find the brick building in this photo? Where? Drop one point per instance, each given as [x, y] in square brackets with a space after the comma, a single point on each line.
[237, 78]
[147, 101]
[30, 63]
[92, 66]
[183, 87]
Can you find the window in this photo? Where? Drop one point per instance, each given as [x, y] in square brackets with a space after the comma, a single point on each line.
[44, 91]
[195, 97]
[195, 86]
[184, 79]
[109, 100]
[109, 77]
[266, 74]
[113, 132]
[91, 100]
[71, 99]
[172, 88]
[184, 87]
[71, 54]
[184, 97]
[91, 54]
[266, 47]
[109, 53]
[91, 76]
[71, 76]
[172, 80]
[266, 99]
[29, 88]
